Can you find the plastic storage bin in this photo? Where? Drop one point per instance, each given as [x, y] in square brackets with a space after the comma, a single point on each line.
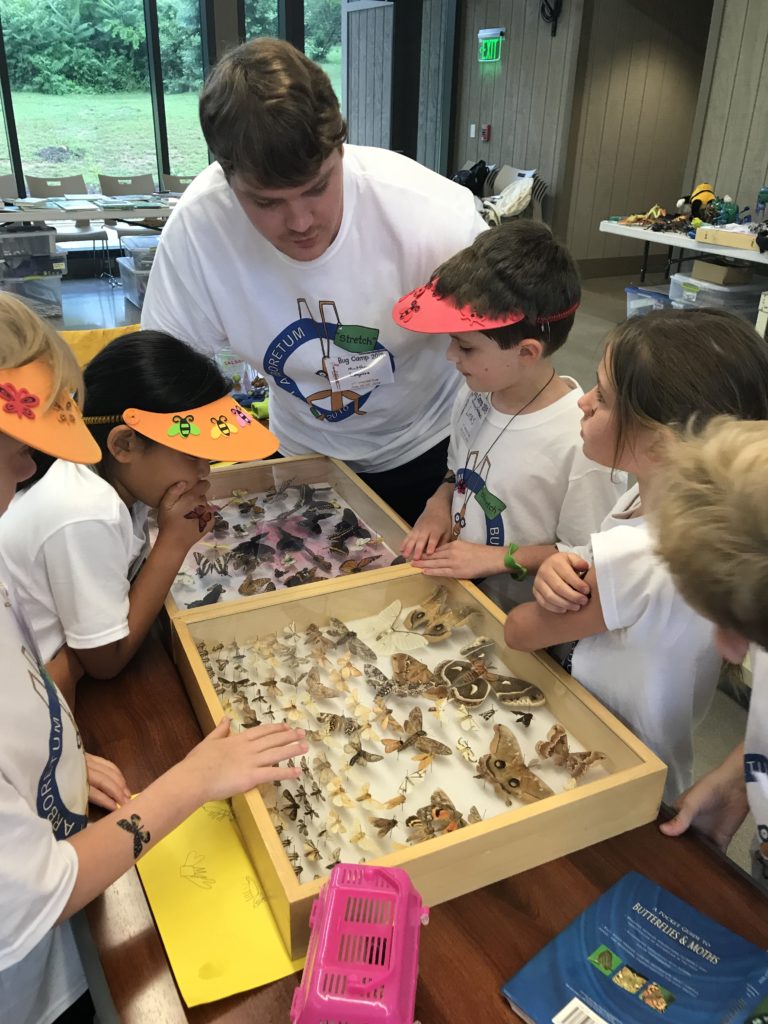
[141, 249]
[42, 294]
[642, 300]
[688, 293]
[134, 281]
[27, 240]
[363, 956]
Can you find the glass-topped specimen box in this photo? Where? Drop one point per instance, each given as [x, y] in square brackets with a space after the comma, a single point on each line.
[433, 747]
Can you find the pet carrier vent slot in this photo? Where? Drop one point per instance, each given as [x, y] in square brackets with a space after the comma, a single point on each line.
[333, 984]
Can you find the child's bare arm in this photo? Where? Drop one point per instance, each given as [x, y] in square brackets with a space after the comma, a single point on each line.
[463, 560]
[215, 769]
[433, 527]
[529, 627]
[715, 805]
[560, 585]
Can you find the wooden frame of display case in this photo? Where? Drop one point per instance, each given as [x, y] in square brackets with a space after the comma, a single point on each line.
[469, 858]
[310, 469]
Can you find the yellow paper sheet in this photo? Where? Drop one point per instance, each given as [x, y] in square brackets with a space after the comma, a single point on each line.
[215, 923]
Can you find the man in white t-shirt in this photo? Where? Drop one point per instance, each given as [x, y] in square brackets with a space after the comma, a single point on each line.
[291, 250]
[711, 524]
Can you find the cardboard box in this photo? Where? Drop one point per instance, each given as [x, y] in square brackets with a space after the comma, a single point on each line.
[720, 273]
[604, 802]
[734, 239]
[277, 483]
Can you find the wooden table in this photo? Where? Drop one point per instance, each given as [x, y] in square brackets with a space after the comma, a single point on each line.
[676, 240]
[39, 215]
[143, 721]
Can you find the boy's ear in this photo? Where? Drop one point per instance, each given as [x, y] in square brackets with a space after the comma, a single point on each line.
[731, 645]
[657, 448]
[123, 443]
[530, 349]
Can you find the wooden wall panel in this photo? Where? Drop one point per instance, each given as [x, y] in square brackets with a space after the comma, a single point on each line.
[637, 87]
[368, 55]
[732, 153]
[526, 97]
[431, 85]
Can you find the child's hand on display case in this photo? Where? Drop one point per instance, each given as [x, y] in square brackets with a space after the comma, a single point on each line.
[462, 561]
[226, 763]
[184, 515]
[106, 784]
[433, 528]
[559, 585]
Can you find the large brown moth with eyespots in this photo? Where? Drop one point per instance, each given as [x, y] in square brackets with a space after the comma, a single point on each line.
[505, 768]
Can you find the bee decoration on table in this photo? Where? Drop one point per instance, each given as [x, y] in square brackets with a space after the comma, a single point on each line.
[505, 768]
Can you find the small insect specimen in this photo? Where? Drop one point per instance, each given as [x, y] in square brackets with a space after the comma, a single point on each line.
[505, 768]
[291, 806]
[383, 826]
[488, 715]
[288, 541]
[384, 716]
[318, 559]
[348, 527]
[339, 723]
[360, 838]
[311, 851]
[311, 520]
[317, 689]
[410, 779]
[416, 736]
[278, 489]
[337, 793]
[435, 619]
[480, 647]
[302, 827]
[306, 771]
[464, 749]
[439, 816]
[322, 768]
[334, 824]
[254, 548]
[338, 632]
[209, 564]
[555, 746]
[360, 756]
[211, 597]
[524, 719]
[305, 575]
[316, 792]
[466, 721]
[335, 859]
[252, 586]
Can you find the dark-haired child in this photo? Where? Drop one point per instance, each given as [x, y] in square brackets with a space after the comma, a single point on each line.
[640, 648]
[518, 487]
[160, 412]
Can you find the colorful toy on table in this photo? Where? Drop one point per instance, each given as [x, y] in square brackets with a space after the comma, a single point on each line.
[363, 956]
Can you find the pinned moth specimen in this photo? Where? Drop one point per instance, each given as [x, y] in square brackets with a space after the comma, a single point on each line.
[412, 677]
[348, 527]
[555, 746]
[288, 541]
[185, 579]
[334, 823]
[339, 723]
[278, 490]
[322, 768]
[384, 716]
[252, 586]
[290, 807]
[317, 689]
[376, 678]
[360, 838]
[471, 683]
[353, 565]
[435, 619]
[383, 826]
[272, 687]
[524, 719]
[416, 736]
[337, 792]
[212, 595]
[488, 715]
[317, 640]
[410, 779]
[316, 793]
[359, 649]
[335, 859]
[437, 817]
[302, 828]
[505, 768]
[311, 851]
[240, 530]
[480, 647]
[361, 756]
[293, 712]
[338, 632]
[345, 670]
[306, 771]
[385, 634]
[466, 721]
[318, 559]
[464, 749]
[305, 575]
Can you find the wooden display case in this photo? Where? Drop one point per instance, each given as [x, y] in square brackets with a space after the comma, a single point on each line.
[386, 528]
[608, 801]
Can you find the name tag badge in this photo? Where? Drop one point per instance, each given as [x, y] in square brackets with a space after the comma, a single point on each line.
[360, 371]
[489, 503]
[475, 410]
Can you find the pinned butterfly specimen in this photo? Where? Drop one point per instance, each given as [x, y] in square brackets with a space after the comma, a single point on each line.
[555, 746]
[361, 756]
[463, 748]
[212, 595]
[278, 489]
[311, 851]
[305, 575]
[349, 526]
[334, 824]
[185, 579]
[416, 736]
[206, 564]
[290, 807]
[252, 586]
[220, 525]
[353, 565]
[311, 520]
[252, 552]
[385, 634]
[439, 816]
[317, 689]
[505, 768]
[435, 619]
[383, 826]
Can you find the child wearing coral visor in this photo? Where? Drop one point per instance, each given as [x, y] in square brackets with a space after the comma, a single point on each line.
[160, 412]
[51, 865]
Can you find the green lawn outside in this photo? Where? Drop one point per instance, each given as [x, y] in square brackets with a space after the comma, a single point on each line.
[89, 133]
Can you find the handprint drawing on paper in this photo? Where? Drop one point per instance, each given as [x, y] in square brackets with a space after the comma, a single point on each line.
[194, 870]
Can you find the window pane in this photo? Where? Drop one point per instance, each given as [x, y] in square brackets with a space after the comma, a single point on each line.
[182, 59]
[322, 37]
[78, 71]
[260, 18]
[5, 160]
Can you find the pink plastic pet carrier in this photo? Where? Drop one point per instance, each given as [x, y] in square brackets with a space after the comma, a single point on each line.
[363, 956]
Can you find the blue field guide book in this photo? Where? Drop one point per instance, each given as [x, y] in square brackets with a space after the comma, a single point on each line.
[640, 955]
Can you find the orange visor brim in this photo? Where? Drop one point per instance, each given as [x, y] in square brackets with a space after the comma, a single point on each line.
[59, 430]
[222, 431]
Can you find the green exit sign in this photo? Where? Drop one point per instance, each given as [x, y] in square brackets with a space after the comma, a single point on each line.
[489, 42]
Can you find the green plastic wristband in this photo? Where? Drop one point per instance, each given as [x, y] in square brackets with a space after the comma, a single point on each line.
[511, 564]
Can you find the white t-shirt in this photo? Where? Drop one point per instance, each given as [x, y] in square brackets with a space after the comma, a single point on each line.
[70, 544]
[534, 486]
[657, 666]
[43, 800]
[216, 281]
[756, 757]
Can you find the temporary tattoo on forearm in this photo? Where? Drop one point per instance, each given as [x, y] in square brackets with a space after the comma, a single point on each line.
[140, 835]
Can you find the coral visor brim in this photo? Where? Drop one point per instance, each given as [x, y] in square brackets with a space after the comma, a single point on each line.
[423, 311]
[222, 431]
[58, 431]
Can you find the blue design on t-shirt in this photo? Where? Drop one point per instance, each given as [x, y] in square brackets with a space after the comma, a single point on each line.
[292, 338]
[50, 803]
[755, 764]
[494, 528]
